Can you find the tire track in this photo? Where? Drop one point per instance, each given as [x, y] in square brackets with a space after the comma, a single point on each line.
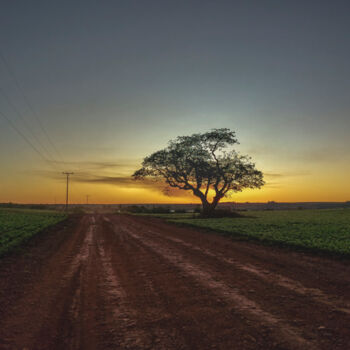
[244, 305]
[174, 309]
[314, 293]
[121, 317]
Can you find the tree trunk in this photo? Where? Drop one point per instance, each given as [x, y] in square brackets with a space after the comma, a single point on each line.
[208, 208]
[206, 212]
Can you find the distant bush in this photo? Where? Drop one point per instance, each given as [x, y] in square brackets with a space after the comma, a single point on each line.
[77, 210]
[141, 209]
[222, 213]
[160, 210]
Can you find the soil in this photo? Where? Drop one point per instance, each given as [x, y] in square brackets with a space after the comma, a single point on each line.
[104, 281]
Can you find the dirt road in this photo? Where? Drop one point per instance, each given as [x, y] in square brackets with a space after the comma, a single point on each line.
[119, 282]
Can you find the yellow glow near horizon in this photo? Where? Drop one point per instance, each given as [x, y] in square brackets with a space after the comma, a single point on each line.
[288, 190]
[104, 109]
[320, 182]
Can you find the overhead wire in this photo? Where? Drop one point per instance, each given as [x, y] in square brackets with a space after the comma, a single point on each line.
[26, 139]
[30, 106]
[22, 118]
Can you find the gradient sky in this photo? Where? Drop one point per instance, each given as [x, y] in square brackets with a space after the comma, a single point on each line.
[113, 81]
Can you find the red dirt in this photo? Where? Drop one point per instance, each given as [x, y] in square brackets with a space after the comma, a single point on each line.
[119, 282]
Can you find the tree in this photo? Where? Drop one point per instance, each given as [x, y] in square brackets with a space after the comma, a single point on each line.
[205, 164]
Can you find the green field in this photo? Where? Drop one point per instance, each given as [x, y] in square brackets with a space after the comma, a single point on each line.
[19, 225]
[317, 230]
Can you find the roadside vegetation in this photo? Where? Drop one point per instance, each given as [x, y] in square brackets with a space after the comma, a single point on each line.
[317, 230]
[19, 225]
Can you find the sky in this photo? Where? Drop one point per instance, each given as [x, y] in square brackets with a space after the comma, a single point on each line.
[96, 86]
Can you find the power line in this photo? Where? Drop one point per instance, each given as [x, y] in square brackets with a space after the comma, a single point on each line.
[30, 106]
[20, 115]
[19, 132]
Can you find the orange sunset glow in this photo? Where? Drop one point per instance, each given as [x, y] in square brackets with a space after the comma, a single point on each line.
[97, 102]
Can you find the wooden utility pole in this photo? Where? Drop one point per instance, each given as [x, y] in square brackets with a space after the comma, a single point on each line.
[67, 175]
[87, 198]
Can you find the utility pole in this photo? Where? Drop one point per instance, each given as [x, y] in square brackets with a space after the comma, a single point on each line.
[87, 198]
[67, 175]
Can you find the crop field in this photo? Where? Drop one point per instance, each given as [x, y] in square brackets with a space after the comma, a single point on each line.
[317, 230]
[17, 226]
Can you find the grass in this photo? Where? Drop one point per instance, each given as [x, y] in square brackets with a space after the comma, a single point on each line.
[316, 230]
[18, 225]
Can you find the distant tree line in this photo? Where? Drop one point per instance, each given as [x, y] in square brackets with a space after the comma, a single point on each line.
[141, 209]
[26, 206]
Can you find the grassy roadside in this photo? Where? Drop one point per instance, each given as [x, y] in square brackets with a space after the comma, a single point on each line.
[17, 226]
[325, 231]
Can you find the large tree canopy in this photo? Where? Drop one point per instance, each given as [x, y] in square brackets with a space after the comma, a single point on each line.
[203, 163]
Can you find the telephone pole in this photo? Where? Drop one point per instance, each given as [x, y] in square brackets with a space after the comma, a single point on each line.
[87, 198]
[67, 175]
